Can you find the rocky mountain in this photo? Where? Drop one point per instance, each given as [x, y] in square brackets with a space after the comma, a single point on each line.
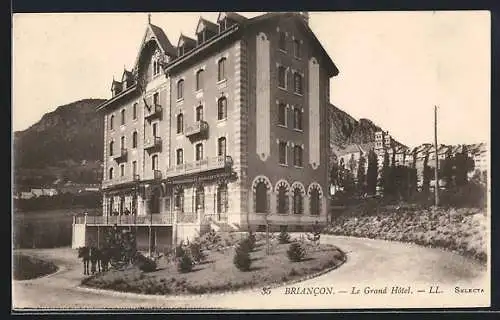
[67, 143]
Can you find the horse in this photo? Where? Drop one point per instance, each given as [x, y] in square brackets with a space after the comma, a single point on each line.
[95, 260]
[91, 256]
[83, 253]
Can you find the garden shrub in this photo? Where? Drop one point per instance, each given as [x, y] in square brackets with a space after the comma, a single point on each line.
[144, 264]
[284, 237]
[179, 251]
[185, 263]
[296, 252]
[241, 258]
[252, 240]
[196, 252]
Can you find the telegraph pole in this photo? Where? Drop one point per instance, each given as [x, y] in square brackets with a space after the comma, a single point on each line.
[436, 184]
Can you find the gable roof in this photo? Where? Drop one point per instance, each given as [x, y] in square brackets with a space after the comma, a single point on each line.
[162, 40]
[205, 24]
[186, 41]
[231, 15]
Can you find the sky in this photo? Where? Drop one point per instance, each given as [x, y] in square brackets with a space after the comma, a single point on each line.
[394, 66]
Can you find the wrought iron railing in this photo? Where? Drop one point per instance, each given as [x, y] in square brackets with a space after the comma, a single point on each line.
[206, 164]
[196, 128]
[154, 142]
[155, 111]
[121, 155]
[163, 218]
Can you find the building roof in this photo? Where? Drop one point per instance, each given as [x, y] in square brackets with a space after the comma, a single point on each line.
[205, 24]
[162, 40]
[186, 41]
[232, 16]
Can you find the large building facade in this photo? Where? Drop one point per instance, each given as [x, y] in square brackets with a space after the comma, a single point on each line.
[227, 130]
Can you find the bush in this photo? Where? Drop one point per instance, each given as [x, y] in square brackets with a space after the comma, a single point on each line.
[284, 237]
[144, 264]
[252, 240]
[196, 252]
[246, 244]
[296, 252]
[185, 263]
[241, 258]
[179, 251]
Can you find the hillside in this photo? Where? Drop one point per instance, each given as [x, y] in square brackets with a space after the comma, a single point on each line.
[55, 146]
[59, 142]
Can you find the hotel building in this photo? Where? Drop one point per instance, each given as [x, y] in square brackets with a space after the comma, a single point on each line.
[226, 130]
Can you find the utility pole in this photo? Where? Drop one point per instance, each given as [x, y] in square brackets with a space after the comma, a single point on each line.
[436, 184]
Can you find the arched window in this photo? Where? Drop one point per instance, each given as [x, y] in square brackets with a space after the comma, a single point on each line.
[296, 48]
[221, 147]
[180, 123]
[154, 162]
[199, 151]
[221, 64]
[155, 201]
[282, 200]
[297, 118]
[199, 201]
[180, 156]
[282, 77]
[282, 42]
[314, 202]
[180, 89]
[110, 175]
[111, 145]
[199, 79]
[297, 81]
[297, 201]
[111, 122]
[222, 198]
[199, 113]
[134, 111]
[282, 114]
[222, 108]
[179, 200]
[261, 197]
[134, 139]
[123, 116]
[122, 143]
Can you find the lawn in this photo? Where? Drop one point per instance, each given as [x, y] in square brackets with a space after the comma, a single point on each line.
[27, 267]
[218, 273]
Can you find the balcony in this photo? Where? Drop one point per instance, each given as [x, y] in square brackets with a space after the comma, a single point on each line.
[152, 144]
[199, 128]
[121, 156]
[119, 180]
[207, 164]
[157, 219]
[156, 174]
[154, 112]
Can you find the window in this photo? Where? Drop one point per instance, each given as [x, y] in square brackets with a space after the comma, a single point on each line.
[297, 202]
[156, 99]
[134, 168]
[282, 152]
[297, 118]
[296, 48]
[282, 43]
[134, 111]
[199, 79]
[199, 113]
[180, 89]
[110, 173]
[155, 130]
[179, 200]
[282, 77]
[199, 151]
[315, 202]
[222, 108]
[222, 25]
[200, 37]
[199, 200]
[156, 67]
[221, 150]
[122, 170]
[181, 50]
[111, 122]
[297, 81]
[261, 198]
[282, 114]
[180, 123]
[123, 116]
[222, 198]
[122, 143]
[282, 200]
[154, 162]
[111, 145]
[221, 69]
[134, 139]
[180, 156]
[297, 156]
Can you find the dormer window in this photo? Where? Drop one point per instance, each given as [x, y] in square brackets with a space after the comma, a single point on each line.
[222, 25]
[201, 37]
[181, 50]
[156, 67]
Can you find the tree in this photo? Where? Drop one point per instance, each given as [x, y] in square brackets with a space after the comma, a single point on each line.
[361, 176]
[447, 169]
[334, 173]
[463, 165]
[372, 173]
[426, 174]
[386, 182]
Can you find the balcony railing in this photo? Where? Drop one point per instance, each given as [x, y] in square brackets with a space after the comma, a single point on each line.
[157, 174]
[153, 143]
[119, 180]
[206, 164]
[163, 218]
[121, 156]
[199, 127]
[154, 112]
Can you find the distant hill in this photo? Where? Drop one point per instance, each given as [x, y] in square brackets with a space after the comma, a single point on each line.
[67, 144]
[58, 143]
